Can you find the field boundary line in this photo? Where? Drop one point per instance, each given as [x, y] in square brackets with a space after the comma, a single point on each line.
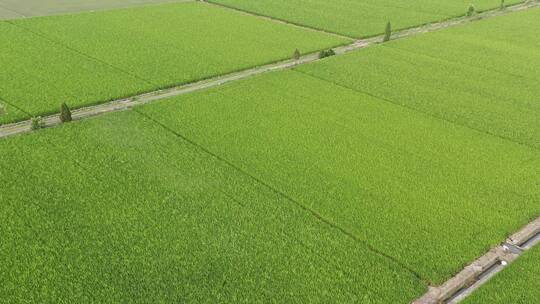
[420, 112]
[276, 20]
[78, 52]
[21, 127]
[484, 268]
[284, 195]
[318, 29]
[6, 102]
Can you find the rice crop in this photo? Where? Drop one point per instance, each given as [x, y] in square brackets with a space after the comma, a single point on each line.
[90, 58]
[483, 76]
[431, 194]
[361, 18]
[516, 284]
[118, 209]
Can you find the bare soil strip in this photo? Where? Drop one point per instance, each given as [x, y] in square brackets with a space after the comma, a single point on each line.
[126, 103]
[484, 268]
[7, 13]
[38, 8]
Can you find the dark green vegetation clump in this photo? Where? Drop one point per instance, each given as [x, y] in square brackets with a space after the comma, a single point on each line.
[36, 123]
[326, 53]
[296, 54]
[387, 32]
[65, 113]
[471, 11]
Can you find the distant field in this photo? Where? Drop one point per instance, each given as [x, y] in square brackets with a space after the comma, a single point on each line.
[361, 18]
[119, 209]
[94, 57]
[518, 284]
[8, 14]
[431, 194]
[10, 9]
[483, 76]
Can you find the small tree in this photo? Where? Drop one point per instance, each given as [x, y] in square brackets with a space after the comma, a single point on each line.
[387, 32]
[502, 4]
[296, 54]
[65, 113]
[36, 123]
[471, 11]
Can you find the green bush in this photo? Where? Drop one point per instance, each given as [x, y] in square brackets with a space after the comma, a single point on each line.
[471, 11]
[65, 113]
[387, 32]
[326, 53]
[36, 123]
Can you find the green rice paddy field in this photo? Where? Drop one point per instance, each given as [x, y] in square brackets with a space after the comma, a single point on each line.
[79, 60]
[394, 178]
[121, 209]
[483, 76]
[517, 284]
[361, 18]
[361, 178]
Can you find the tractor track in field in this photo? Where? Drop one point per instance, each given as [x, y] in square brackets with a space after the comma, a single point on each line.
[21, 127]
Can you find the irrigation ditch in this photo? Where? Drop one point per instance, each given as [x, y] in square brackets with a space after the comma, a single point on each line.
[484, 268]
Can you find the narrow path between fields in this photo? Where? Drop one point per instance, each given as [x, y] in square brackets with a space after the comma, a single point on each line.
[127, 103]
